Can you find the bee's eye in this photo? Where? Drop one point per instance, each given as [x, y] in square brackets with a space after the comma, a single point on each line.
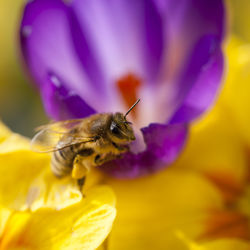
[114, 129]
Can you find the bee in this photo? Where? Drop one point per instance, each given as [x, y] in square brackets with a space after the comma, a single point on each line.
[80, 144]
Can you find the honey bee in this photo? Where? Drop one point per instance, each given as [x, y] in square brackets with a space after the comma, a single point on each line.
[78, 145]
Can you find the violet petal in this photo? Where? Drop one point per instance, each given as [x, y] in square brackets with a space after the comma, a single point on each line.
[164, 143]
[194, 18]
[61, 103]
[128, 35]
[47, 46]
[187, 21]
[200, 79]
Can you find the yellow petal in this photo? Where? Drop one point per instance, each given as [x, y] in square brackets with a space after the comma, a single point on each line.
[18, 169]
[236, 93]
[151, 209]
[221, 244]
[46, 190]
[4, 216]
[81, 226]
[13, 228]
[29, 180]
[215, 145]
[216, 149]
[31, 184]
[13, 143]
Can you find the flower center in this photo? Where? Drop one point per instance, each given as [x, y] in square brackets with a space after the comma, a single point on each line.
[128, 86]
[230, 220]
[227, 224]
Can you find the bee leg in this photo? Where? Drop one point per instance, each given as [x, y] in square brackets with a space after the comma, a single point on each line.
[99, 160]
[120, 148]
[79, 168]
[105, 243]
[81, 182]
[79, 171]
[123, 149]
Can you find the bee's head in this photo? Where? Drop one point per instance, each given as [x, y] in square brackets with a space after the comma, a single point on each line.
[120, 130]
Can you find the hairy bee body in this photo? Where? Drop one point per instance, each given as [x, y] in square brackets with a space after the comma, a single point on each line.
[78, 145]
[102, 147]
[62, 161]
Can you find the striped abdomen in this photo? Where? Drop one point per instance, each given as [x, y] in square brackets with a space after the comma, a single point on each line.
[62, 161]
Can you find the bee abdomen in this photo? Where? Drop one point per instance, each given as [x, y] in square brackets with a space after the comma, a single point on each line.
[62, 161]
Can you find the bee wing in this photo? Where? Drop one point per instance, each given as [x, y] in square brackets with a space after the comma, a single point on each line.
[61, 126]
[58, 135]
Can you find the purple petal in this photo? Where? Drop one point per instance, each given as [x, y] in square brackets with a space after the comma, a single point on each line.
[195, 18]
[200, 79]
[127, 35]
[62, 104]
[47, 46]
[188, 21]
[164, 143]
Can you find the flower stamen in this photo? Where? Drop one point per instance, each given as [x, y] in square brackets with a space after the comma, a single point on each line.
[230, 221]
[227, 224]
[228, 185]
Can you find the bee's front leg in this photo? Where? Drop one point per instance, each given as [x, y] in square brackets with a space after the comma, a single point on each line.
[81, 182]
[79, 170]
[123, 149]
[120, 148]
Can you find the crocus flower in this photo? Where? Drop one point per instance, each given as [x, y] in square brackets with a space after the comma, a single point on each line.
[100, 56]
[38, 211]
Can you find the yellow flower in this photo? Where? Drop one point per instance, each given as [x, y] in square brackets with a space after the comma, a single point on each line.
[38, 211]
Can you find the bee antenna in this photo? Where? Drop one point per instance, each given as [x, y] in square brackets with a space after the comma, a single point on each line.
[131, 108]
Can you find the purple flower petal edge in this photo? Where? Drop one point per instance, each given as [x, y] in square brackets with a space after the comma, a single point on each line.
[47, 46]
[164, 143]
[200, 79]
[62, 104]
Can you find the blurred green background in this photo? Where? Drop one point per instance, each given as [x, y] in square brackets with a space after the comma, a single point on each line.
[20, 105]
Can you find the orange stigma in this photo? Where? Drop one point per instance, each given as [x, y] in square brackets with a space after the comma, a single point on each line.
[128, 86]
